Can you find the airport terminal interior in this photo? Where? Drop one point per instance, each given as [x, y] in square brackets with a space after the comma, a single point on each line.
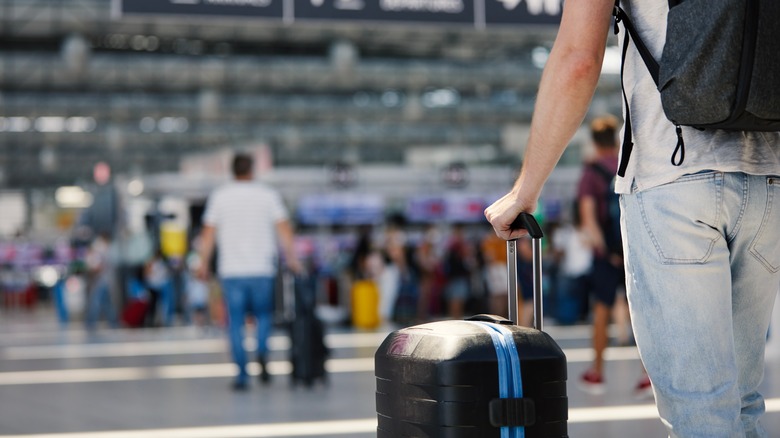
[376, 120]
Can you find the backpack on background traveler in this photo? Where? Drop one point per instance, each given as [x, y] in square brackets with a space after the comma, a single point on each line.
[610, 226]
[719, 68]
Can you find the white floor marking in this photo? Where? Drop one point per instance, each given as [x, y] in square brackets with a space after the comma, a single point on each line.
[342, 427]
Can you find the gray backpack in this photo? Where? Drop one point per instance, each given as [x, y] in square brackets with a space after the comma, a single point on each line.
[720, 67]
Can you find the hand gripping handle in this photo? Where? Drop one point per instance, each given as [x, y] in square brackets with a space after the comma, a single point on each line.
[529, 223]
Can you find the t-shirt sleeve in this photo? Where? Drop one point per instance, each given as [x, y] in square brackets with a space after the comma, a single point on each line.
[589, 184]
[278, 208]
[211, 212]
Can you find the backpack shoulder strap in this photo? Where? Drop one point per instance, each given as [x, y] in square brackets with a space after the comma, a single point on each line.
[652, 67]
[621, 17]
[604, 173]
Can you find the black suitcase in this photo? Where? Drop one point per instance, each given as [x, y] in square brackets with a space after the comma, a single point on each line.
[484, 377]
[308, 351]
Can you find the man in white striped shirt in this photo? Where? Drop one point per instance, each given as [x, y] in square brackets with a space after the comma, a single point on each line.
[246, 220]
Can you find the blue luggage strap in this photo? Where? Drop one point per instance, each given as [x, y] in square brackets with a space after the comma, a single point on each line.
[511, 412]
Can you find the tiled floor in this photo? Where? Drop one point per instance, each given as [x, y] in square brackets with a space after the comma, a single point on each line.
[63, 383]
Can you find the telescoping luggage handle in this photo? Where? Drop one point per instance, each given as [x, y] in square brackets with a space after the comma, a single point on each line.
[529, 223]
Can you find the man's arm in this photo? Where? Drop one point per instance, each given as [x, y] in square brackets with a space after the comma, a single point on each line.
[206, 250]
[590, 223]
[287, 240]
[565, 91]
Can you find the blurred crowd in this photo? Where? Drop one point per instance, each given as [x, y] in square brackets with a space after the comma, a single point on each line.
[418, 273]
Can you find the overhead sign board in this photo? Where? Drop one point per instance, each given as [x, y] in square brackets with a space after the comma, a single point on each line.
[476, 13]
[430, 11]
[523, 11]
[235, 8]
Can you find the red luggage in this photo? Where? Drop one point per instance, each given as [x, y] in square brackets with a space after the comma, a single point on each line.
[134, 313]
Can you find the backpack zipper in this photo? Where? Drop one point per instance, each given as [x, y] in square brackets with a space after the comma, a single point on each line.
[680, 148]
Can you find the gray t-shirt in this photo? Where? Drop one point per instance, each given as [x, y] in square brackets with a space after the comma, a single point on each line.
[655, 138]
[245, 214]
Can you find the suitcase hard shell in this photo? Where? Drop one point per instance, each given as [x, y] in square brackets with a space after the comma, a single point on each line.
[449, 378]
[308, 351]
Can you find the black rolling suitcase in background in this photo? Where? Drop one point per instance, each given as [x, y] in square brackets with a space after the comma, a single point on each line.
[307, 334]
[479, 378]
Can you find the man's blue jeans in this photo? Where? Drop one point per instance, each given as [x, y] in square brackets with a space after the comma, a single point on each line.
[253, 295]
[99, 301]
[703, 270]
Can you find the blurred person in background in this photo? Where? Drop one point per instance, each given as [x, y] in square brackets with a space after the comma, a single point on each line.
[571, 247]
[603, 233]
[396, 270]
[100, 261]
[600, 216]
[427, 261]
[197, 290]
[156, 278]
[363, 262]
[459, 263]
[247, 220]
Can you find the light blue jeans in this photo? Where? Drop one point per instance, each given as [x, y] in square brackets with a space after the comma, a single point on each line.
[248, 295]
[703, 270]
